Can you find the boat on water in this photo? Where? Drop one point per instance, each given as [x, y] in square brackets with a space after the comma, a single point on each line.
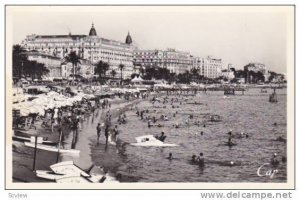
[151, 141]
[230, 144]
[263, 90]
[52, 148]
[273, 97]
[215, 118]
[40, 140]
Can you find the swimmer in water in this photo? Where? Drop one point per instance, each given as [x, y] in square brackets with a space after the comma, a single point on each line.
[231, 163]
[281, 139]
[194, 159]
[170, 156]
[274, 160]
[230, 138]
[162, 137]
[201, 133]
[201, 160]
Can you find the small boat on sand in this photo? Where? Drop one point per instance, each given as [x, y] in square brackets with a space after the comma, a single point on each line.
[40, 140]
[53, 148]
[68, 172]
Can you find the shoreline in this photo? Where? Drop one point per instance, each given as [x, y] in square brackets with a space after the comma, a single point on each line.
[23, 156]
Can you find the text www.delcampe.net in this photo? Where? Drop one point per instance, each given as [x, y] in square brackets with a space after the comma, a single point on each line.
[246, 195]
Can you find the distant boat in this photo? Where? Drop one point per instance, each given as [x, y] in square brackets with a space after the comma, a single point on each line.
[215, 118]
[273, 97]
[53, 149]
[263, 90]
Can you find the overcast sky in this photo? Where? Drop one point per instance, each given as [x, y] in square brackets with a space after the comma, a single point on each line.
[238, 35]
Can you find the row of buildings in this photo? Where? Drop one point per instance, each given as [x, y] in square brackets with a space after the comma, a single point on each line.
[52, 49]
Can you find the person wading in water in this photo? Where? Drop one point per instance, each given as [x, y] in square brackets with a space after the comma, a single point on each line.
[98, 132]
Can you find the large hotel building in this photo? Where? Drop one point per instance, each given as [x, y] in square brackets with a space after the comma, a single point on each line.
[52, 49]
[176, 61]
[209, 67]
[90, 47]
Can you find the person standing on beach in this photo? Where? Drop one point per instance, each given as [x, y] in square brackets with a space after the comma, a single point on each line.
[106, 134]
[61, 134]
[52, 124]
[98, 132]
[116, 131]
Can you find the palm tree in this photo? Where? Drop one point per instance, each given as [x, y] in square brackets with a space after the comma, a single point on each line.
[195, 73]
[121, 67]
[19, 60]
[73, 58]
[113, 73]
[101, 68]
[142, 71]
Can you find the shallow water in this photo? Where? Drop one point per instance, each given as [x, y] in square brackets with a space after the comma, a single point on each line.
[250, 113]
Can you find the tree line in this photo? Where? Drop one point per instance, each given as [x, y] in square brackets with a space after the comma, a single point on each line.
[24, 68]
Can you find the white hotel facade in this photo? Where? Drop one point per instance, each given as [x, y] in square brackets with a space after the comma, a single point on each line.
[89, 47]
[175, 61]
[209, 67]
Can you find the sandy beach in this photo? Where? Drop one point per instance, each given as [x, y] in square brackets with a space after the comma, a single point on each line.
[23, 156]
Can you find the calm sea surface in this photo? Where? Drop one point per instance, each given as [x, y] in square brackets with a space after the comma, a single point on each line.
[250, 113]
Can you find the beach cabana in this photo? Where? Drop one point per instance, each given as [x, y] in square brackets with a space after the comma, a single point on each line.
[137, 80]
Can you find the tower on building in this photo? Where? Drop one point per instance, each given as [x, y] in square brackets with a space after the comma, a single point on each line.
[128, 39]
[93, 31]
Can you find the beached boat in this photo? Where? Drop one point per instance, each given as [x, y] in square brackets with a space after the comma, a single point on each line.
[49, 175]
[68, 167]
[73, 179]
[68, 172]
[53, 149]
[151, 141]
[91, 179]
[32, 139]
[67, 178]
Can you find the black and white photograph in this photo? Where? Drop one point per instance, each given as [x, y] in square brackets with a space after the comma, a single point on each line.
[149, 97]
